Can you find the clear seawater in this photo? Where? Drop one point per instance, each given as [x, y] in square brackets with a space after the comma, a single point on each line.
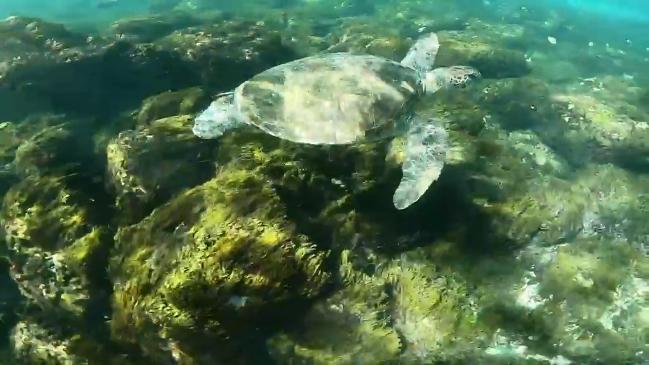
[125, 239]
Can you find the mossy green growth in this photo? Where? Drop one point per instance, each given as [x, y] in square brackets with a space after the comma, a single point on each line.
[33, 343]
[431, 310]
[519, 103]
[213, 266]
[25, 35]
[491, 59]
[47, 152]
[360, 37]
[148, 28]
[404, 312]
[227, 52]
[588, 299]
[322, 186]
[147, 166]
[614, 130]
[553, 209]
[9, 141]
[43, 213]
[52, 245]
[170, 103]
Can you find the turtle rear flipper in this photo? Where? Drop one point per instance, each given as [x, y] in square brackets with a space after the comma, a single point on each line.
[421, 56]
[426, 146]
[219, 117]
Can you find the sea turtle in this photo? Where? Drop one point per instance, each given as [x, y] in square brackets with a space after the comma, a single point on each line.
[344, 98]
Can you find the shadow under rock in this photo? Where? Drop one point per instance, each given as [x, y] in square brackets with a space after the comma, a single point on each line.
[10, 301]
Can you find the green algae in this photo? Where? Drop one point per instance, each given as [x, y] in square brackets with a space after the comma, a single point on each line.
[528, 250]
[52, 245]
[169, 104]
[405, 312]
[225, 259]
[148, 165]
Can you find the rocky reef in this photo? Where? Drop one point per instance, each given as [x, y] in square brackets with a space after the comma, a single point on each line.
[128, 240]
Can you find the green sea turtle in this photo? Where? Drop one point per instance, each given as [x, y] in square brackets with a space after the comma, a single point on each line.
[343, 98]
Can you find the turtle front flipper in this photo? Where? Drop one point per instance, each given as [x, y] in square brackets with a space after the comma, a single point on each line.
[219, 117]
[426, 146]
[421, 56]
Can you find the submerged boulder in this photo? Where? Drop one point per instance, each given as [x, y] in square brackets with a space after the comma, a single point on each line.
[610, 128]
[403, 312]
[172, 103]
[147, 166]
[148, 28]
[34, 344]
[228, 52]
[493, 60]
[205, 275]
[53, 247]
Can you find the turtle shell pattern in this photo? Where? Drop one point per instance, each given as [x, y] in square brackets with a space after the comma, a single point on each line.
[335, 98]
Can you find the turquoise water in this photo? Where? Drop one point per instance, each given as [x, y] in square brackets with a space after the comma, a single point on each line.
[497, 220]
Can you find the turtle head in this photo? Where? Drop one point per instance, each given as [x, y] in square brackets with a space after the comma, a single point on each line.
[447, 77]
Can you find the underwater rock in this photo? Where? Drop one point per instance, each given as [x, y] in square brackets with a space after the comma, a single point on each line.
[205, 275]
[46, 152]
[98, 81]
[586, 297]
[349, 327]
[519, 103]
[10, 139]
[34, 344]
[25, 41]
[147, 166]
[551, 210]
[405, 312]
[492, 59]
[228, 52]
[23, 38]
[53, 247]
[11, 303]
[360, 38]
[609, 130]
[171, 103]
[151, 27]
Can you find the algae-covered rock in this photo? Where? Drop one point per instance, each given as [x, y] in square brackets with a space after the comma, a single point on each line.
[205, 275]
[148, 28]
[171, 103]
[39, 340]
[552, 210]
[352, 326]
[431, 311]
[28, 41]
[35, 344]
[228, 52]
[147, 166]
[519, 103]
[612, 129]
[52, 245]
[469, 48]
[578, 301]
[48, 151]
[24, 37]
[404, 312]
[100, 80]
[9, 142]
